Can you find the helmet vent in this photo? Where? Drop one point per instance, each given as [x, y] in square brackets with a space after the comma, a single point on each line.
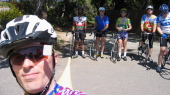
[35, 26]
[5, 36]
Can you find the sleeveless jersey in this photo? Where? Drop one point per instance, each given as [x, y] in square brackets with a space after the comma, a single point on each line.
[80, 22]
[164, 23]
[148, 23]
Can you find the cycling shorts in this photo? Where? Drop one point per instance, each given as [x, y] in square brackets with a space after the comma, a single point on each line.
[151, 38]
[123, 35]
[163, 41]
[103, 34]
[79, 35]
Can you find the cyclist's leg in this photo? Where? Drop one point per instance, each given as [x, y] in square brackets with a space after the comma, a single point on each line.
[125, 45]
[103, 40]
[119, 45]
[150, 44]
[163, 44]
[76, 43]
[81, 36]
[98, 40]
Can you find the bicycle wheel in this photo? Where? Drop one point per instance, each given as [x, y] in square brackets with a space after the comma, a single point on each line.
[114, 52]
[93, 51]
[164, 60]
[71, 48]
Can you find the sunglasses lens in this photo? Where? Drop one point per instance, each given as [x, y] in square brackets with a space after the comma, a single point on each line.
[35, 54]
[17, 59]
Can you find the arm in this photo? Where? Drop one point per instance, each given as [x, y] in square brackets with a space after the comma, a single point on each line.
[73, 26]
[159, 29]
[107, 25]
[130, 27]
[141, 27]
[154, 26]
[85, 27]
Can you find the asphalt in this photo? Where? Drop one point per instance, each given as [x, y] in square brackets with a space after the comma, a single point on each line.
[103, 77]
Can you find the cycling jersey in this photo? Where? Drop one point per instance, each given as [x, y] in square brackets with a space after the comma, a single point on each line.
[148, 22]
[123, 24]
[101, 22]
[164, 23]
[80, 22]
[58, 90]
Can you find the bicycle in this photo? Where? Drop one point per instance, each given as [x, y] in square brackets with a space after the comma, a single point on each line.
[71, 44]
[114, 50]
[166, 57]
[145, 47]
[93, 46]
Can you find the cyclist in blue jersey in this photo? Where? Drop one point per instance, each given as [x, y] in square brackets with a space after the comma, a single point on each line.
[123, 25]
[27, 43]
[163, 27]
[101, 25]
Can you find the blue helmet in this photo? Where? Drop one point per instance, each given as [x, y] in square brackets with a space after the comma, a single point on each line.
[164, 9]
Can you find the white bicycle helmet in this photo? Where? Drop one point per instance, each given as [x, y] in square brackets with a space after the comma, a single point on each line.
[23, 30]
[101, 9]
[149, 7]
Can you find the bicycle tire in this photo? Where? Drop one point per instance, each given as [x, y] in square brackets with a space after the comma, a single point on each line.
[114, 52]
[164, 59]
[93, 51]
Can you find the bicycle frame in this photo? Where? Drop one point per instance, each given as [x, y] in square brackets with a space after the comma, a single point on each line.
[72, 42]
[146, 46]
[93, 46]
[114, 50]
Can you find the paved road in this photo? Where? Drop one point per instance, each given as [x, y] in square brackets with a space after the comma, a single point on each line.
[102, 77]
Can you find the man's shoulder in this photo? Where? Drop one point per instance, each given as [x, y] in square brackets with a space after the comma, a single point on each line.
[153, 16]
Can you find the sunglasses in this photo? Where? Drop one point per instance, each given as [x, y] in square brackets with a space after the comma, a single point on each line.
[35, 54]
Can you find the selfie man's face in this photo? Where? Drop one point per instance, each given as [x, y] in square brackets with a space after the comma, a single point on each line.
[34, 77]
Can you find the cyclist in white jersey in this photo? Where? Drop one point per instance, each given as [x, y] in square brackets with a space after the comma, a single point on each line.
[163, 27]
[79, 26]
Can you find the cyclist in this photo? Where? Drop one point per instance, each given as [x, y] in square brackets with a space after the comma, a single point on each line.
[123, 25]
[163, 27]
[79, 26]
[28, 43]
[148, 24]
[101, 25]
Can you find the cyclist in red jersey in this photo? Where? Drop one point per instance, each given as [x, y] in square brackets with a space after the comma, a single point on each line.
[79, 28]
[148, 24]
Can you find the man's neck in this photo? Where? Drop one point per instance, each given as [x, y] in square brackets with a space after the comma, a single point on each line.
[101, 15]
[149, 15]
[79, 15]
[53, 83]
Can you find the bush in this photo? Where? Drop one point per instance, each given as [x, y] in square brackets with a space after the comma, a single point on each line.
[6, 16]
